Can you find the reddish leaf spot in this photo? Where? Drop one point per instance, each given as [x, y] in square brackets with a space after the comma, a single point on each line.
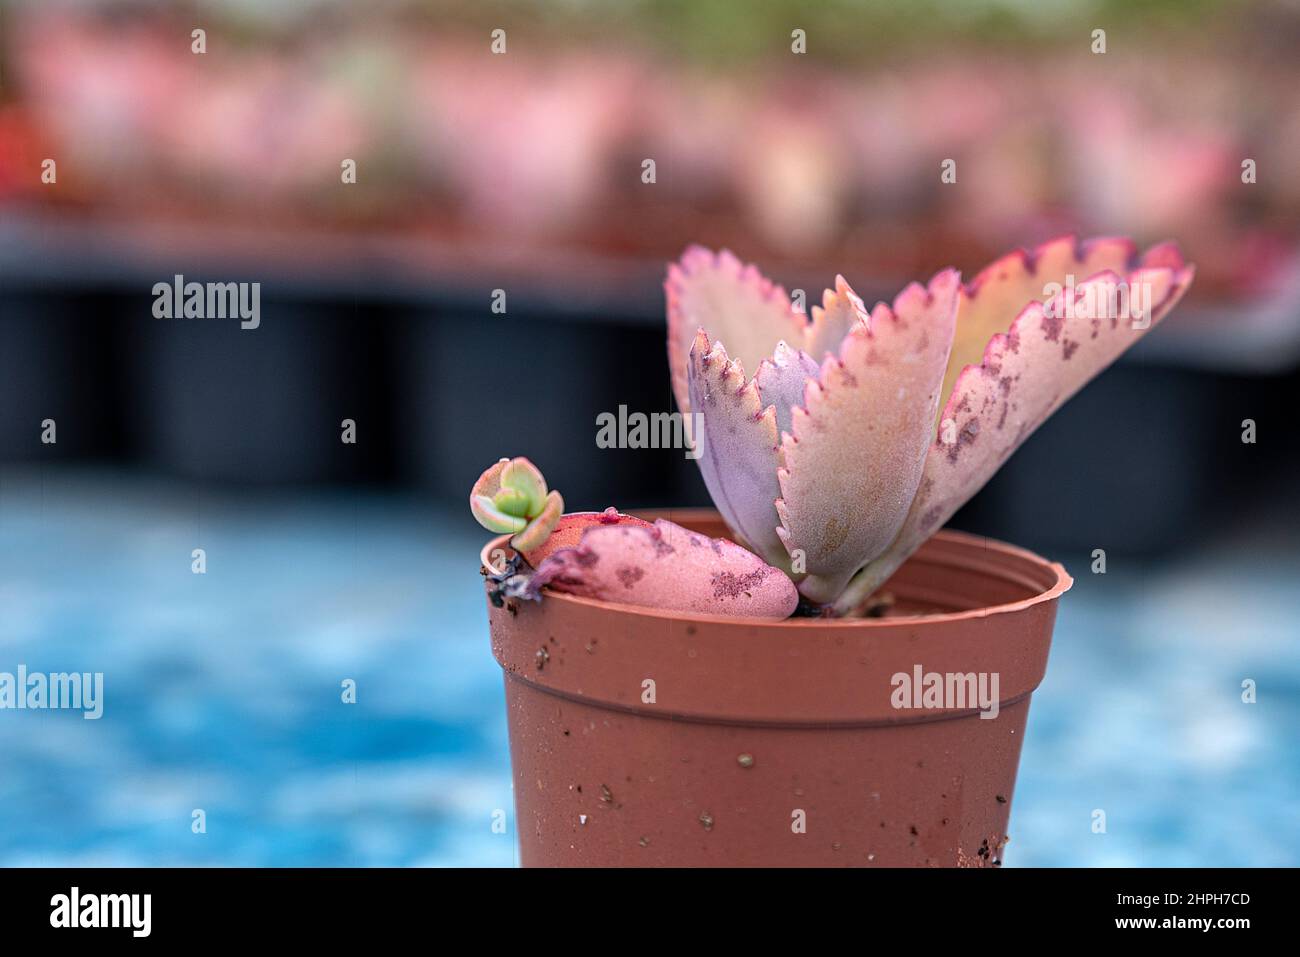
[965, 437]
[1052, 324]
[662, 548]
[931, 517]
[629, 575]
[731, 585]
[834, 534]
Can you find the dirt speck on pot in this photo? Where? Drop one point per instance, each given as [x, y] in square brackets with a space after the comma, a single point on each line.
[1001, 799]
[644, 842]
[745, 760]
[543, 656]
[606, 794]
[706, 819]
[987, 855]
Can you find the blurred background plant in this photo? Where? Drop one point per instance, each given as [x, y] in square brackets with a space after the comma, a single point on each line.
[830, 156]
[522, 172]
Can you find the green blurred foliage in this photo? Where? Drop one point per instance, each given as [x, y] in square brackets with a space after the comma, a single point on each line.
[842, 32]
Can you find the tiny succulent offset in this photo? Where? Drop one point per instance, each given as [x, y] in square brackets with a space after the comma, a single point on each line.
[835, 445]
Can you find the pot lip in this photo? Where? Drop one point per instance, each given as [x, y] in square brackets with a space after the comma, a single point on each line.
[1064, 581]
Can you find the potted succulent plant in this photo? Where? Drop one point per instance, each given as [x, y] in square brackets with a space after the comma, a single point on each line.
[819, 675]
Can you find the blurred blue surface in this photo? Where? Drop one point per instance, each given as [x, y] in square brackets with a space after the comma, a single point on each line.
[223, 691]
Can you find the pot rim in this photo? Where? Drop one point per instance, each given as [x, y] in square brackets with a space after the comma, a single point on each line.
[1063, 582]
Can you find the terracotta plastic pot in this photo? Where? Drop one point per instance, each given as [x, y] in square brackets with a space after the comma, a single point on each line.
[645, 738]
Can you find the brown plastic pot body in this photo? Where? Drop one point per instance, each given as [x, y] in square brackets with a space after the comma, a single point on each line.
[648, 738]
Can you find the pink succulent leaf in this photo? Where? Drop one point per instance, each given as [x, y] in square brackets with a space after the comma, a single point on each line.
[524, 478]
[733, 303]
[495, 508]
[489, 483]
[839, 312]
[539, 527]
[668, 567]
[512, 502]
[853, 459]
[1046, 356]
[736, 439]
[781, 380]
[511, 496]
[493, 518]
[568, 532]
[1002, 289]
